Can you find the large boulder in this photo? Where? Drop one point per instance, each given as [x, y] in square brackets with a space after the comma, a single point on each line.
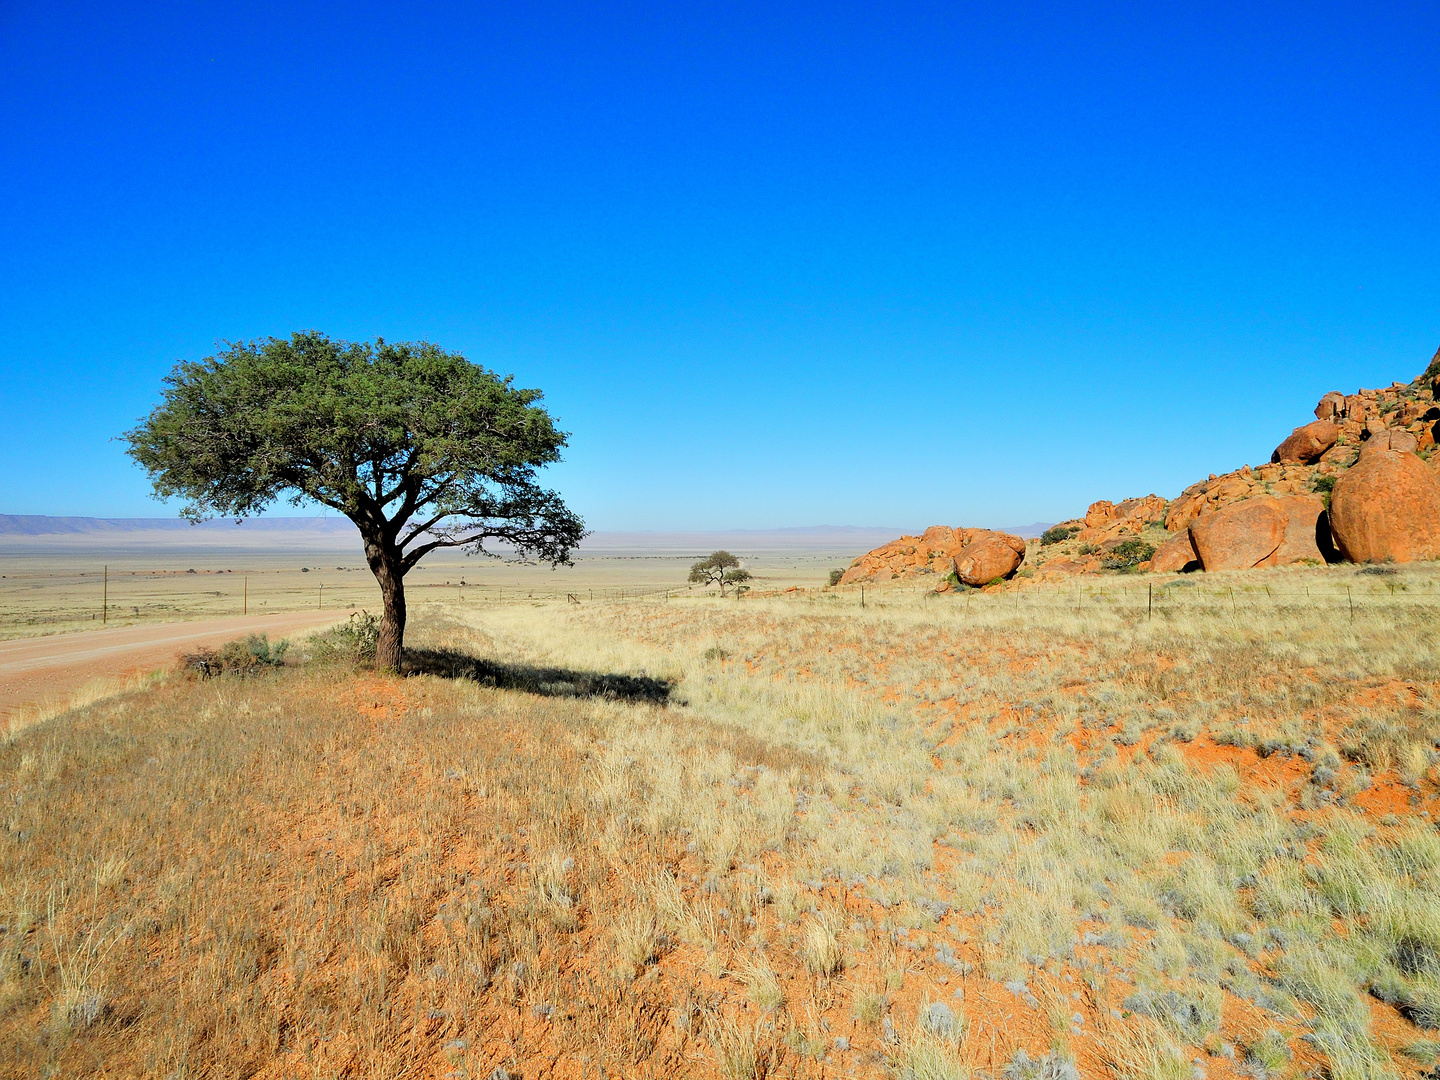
[988, 556]
[1241, 535]
[1307, 532]
[1306, 444]
[1100, 514]
[1397, 439]
[1332, 405]
[1386, 507]
[1177, 553]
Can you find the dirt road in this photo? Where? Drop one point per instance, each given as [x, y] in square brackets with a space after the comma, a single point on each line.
[44, 670]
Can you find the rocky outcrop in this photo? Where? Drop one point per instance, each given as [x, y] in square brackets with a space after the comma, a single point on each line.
[988, 558]
[937, 551]
[1102, 516]
[1241, 536]
[1306, 444]
[1387, 508]
[1374, 449]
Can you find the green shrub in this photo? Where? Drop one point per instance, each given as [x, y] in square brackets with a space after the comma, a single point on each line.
[354, 642]
[1058, 534]
[243, 656]
[1128, 554]
[835, 576]
[1324, 486]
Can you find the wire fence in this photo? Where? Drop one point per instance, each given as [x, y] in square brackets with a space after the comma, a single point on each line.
[41, 602]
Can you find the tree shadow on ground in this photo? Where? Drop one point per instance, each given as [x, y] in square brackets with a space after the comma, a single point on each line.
[548, 682]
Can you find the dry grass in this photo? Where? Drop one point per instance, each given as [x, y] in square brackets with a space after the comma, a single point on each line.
[1097, 837]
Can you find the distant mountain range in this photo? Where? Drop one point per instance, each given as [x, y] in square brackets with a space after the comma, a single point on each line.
[44, 525]
[36, 530]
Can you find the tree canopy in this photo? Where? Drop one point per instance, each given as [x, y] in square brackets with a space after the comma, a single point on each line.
[419, 447]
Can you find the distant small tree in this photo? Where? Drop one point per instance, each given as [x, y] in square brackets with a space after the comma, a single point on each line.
[417, 446]
[720, 568]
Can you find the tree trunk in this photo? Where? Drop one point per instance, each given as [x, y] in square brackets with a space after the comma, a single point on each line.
[385, 564]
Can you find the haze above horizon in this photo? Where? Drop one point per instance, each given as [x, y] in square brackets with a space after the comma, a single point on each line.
[771, 265]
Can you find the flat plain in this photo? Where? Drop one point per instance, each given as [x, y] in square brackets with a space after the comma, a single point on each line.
[1142, 826]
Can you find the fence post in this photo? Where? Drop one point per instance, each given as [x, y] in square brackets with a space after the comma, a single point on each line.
[1349, 596]
[862, 596]
[245, 597]
[1150, 604]
[105, 597]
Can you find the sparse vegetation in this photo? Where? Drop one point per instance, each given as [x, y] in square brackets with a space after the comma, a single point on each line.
[921, 839]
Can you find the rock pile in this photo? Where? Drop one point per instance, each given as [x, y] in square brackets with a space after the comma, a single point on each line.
[1374, 449]
[974, 556]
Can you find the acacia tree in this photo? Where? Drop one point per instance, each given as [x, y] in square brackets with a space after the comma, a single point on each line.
[719, 568]
[417, 446]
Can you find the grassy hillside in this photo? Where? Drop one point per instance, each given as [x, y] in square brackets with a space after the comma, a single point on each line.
[767, 837]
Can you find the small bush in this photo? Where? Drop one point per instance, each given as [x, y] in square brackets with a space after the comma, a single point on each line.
[1268, 1053]
[1191, 1014]
[1324, 486]
[354, 643]
[1058, 534]
[835, 576]
[243, 656]
[1128, 554]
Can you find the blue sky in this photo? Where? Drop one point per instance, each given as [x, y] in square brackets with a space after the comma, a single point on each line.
[772, 264]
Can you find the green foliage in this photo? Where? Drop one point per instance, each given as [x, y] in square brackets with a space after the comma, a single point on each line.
[389, 435]
[835, 576]
[354, 642]
[1324, 486]
[243, 656]
[1128, 554]
[719, 568]
[1058, 534]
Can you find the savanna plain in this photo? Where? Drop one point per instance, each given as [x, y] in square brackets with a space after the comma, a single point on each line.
[1150, 826]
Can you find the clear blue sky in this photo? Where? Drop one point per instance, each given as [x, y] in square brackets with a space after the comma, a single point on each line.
[773, 264]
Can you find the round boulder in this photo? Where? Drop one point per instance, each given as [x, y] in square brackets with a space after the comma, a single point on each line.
[1306, 444]
[1386, 507]
[1241, 535]
[1397, 439]
[989, 556]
